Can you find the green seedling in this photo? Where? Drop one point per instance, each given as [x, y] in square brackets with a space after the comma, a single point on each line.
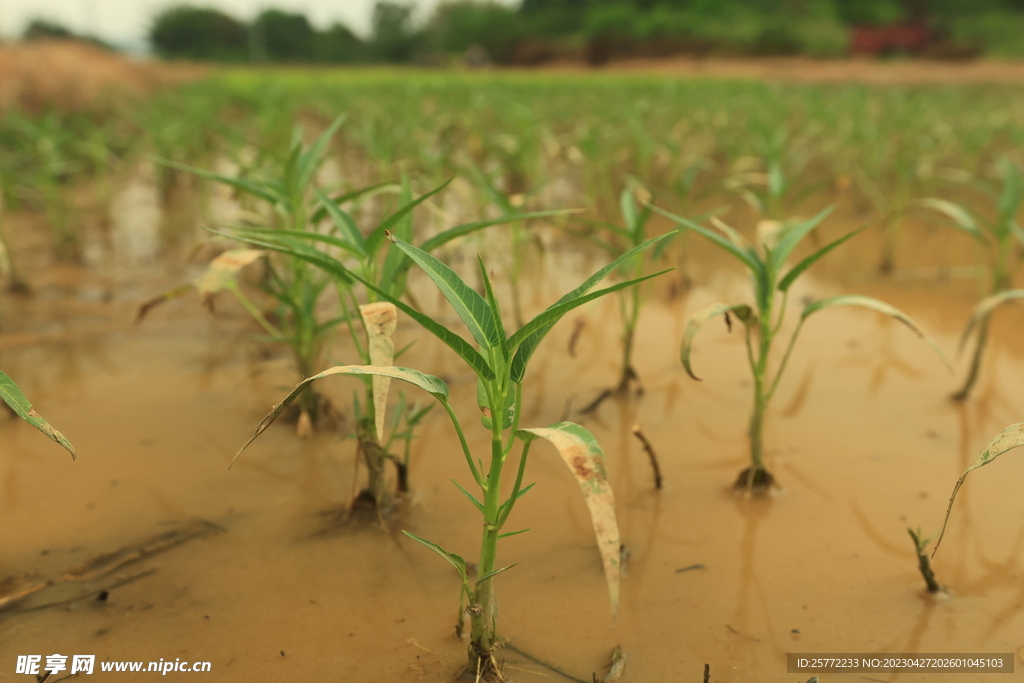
[499, 361]
[48, 164]
[923, 562]
[1008, 439]
[374, 277]
[13, 397]
[617, 240]
[763, 320]
[1000, 240]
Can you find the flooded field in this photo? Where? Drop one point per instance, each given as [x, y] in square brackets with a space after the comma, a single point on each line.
[248, 568]
[148, 548]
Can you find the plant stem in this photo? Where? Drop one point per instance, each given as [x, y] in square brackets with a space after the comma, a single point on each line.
[484, 606]
[972, 375]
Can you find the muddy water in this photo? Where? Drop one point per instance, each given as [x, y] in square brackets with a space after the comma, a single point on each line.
[861, 437]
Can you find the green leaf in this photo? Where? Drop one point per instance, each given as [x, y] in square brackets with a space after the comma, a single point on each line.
[749, 259]
[984, 309]
[337, 270]
[354, 242]
[491, 575]
[309, 160]
[467, 302]
[742, 311]
[432, 385]
[628, 209]
[270, 192]
[583, 456]
[875, 305]
[472, 498]
[792, 236]
[525, 341]
[491, 300]
[446, 236]
[374, 240]
[960, 217]
[513, 533]
[799, 268]
[487, 411]
[12, 396]
[344, 197]
[452, 559]
[1010, 438]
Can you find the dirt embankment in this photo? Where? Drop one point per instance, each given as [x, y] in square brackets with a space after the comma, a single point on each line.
[69, 75]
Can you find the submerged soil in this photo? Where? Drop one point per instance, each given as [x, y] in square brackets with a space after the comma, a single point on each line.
[862, 439]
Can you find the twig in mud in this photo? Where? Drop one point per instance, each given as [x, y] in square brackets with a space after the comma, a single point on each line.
[577, 330]
[707, 673]
[650, 454]
[541, 662]
[117, 584]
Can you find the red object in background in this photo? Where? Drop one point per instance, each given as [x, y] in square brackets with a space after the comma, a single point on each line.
[880, 40]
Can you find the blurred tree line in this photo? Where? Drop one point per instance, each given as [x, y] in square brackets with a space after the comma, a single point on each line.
[595, 30]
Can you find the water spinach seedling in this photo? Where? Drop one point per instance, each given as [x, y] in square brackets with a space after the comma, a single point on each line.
[500, 363]
[616, 241]
[763, 320]
[370, 276]
[1000, 240]
[13, 397]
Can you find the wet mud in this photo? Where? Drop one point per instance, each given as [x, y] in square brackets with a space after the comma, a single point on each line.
[861, 438]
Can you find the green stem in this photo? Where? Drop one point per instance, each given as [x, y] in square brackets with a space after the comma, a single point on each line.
[254, 311]
[972, 375]
[465, 447]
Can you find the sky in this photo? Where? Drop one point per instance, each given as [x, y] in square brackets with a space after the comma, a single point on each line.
[125, 22]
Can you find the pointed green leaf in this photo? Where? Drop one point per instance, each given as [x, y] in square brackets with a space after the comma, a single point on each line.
[491, 575]
[270, 192]
[344, 197]
[310, 160]
[792, 236]
[446, 236]
[472, 498]
[452, 559]
[428, 383]
[525, 341]
[353, 239]
[875, 305]
[491, 300]
[467, 302]
[375, 238]
[742, 311]
[960, 217]
[513, 533]
[583, 456]
[1010, 438]
[748, 259]
[628, 210]
[19, 403]
[799, 268]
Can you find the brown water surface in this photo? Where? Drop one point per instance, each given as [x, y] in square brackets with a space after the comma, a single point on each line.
[861, 437]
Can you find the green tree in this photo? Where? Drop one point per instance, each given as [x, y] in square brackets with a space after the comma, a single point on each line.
[284, 37]
[457, 25]
[199, 33]
[394, 39]
[339, 44]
